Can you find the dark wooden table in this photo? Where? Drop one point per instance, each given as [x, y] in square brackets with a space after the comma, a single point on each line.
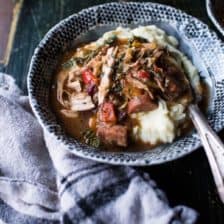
[186, 181]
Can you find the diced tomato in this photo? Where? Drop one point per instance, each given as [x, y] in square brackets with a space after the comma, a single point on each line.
[107, 113]
[88, 77]
[142, 74]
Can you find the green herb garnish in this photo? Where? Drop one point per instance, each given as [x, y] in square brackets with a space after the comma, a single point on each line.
[68, 64]
[117, 88]
[111, 39]
[91, 139]
[92, 54]
[152, 84]
[118, 67]
[80, 60]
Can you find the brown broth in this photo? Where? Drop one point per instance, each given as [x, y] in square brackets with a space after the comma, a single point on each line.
[75, 127]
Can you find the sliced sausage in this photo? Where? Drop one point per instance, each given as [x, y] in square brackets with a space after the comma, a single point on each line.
[107, 113]
[116, 134]
[141, 103]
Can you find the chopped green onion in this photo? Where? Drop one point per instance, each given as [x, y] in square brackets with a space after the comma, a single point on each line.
[91, 139]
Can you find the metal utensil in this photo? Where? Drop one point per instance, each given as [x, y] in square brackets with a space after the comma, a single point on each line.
[212, 144]
[214, 148]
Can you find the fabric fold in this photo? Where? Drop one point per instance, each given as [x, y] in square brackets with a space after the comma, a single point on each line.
[42, 182]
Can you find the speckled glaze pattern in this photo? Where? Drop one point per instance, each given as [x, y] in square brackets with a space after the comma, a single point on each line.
[62, 36]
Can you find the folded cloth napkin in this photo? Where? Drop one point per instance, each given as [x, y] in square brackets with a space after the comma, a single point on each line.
[42, 182]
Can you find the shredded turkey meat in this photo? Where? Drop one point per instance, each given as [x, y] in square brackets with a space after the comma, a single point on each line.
[81, 102]
[107, 70]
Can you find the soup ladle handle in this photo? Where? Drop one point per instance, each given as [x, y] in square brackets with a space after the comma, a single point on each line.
[214, 147]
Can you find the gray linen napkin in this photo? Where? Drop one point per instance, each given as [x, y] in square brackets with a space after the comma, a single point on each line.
[40, 184]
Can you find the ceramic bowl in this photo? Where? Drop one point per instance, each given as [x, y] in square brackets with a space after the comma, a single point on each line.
[199, 43]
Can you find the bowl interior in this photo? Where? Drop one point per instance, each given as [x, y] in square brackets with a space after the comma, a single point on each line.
[85, 27]
[189, 50]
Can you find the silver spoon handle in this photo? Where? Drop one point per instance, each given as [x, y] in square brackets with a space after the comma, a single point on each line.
[213, 146]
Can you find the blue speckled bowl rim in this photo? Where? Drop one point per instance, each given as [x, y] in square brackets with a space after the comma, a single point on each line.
[134, 159]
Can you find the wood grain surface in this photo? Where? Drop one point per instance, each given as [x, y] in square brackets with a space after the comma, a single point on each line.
[187, 180]
[9, 12]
